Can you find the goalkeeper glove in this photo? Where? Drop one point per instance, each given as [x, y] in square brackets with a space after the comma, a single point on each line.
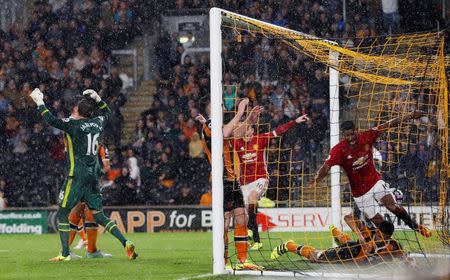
[37, 96]
[92, 94]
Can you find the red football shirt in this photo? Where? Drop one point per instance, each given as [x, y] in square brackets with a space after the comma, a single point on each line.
[252, 157]
[357, 161]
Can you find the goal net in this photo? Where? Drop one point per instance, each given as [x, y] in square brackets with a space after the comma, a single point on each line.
[365, 80]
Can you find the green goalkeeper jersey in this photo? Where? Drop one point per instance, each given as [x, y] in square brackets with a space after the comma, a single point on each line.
[81, 138]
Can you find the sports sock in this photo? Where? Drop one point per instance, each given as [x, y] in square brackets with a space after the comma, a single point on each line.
[305, 251]
[80, 231]
[110, 226]
[292, 247]
[252, 225]
[92, 231]
[341, 236]
[240, 241]
[225, 256]
[405, 217]
[64, 229]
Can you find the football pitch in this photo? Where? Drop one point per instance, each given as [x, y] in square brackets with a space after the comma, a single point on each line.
[161, 256]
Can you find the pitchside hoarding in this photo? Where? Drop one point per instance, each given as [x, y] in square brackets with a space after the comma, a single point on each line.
[319, 219]
[160, 219]
[34, 222]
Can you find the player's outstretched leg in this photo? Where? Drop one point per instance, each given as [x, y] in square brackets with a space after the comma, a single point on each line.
[111, 226]
[292, 247]
[402, 214]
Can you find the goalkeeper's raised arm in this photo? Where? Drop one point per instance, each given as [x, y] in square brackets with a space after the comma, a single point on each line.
[104, 108]
[47, 116]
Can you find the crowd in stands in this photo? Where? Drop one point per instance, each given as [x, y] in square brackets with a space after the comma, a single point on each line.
[62, 51]
[165, 163]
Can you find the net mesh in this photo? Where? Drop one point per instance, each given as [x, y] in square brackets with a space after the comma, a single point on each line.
[379, 79]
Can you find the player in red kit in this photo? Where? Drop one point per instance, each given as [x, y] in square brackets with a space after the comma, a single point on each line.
[355, 155]
[254, 178]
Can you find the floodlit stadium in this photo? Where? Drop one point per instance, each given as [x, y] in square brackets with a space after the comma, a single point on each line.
[224, 139]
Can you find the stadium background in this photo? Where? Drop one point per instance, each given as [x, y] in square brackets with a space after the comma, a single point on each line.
[71, 45]
[148, 61]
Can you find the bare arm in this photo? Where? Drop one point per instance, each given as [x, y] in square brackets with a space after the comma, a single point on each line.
[323, 171]
[396, 121]
[239, 131]
[228, 128]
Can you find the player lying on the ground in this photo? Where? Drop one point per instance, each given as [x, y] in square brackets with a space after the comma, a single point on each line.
[381, 247]
[254, 178]
[355, 155]
[83, 168]
[233, 203]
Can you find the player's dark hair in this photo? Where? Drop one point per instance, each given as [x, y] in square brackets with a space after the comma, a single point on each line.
[386, 227]
[347, 125]
[86, 106]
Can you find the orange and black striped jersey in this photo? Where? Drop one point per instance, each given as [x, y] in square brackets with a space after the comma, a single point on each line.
[227, 151]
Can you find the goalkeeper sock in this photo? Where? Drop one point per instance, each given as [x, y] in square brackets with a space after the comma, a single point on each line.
[92, 231]
[240, 242]
[405, 217]
[110, 226]
[252, 224]
[305, 251]
[340, 236]
[64, 229]
[292, 247]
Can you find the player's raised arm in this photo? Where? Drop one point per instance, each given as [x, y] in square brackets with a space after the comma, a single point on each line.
[239, 131]
[285, 127]
[398, 120]
[104, 109]
[47, 116]
[229, 127]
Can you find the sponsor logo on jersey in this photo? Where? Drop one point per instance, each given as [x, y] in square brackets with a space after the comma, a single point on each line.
[360, 162]
[249, 157]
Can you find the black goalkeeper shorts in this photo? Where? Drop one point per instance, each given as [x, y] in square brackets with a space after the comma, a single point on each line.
[232, 196]
[343, 253]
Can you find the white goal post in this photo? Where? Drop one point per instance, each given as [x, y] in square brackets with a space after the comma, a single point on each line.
[215, 15]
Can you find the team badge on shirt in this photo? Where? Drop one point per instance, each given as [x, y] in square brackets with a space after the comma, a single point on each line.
[366, 147]
[255, 147]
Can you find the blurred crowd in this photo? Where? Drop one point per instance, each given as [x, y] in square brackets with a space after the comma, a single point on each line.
[64, 50]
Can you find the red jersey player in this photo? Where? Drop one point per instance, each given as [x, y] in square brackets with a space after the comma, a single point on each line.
[254, 178]
[355, 155]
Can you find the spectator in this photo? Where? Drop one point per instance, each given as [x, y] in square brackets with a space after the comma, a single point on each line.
[206, 198]
[196, 147]
[184, 197]
[391, 17]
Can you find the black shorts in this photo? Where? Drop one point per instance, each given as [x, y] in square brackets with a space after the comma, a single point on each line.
[232, 196]
[345, 252]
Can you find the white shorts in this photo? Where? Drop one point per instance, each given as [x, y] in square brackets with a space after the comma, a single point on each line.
[369, 203]
[260, 186]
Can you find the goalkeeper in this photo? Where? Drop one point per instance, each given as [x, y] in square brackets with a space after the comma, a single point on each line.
[83, 167]
[379, 248]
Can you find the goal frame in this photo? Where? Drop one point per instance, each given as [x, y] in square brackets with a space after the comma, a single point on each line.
[215, 19]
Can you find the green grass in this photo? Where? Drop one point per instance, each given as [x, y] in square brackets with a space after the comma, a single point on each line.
[161, 256]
